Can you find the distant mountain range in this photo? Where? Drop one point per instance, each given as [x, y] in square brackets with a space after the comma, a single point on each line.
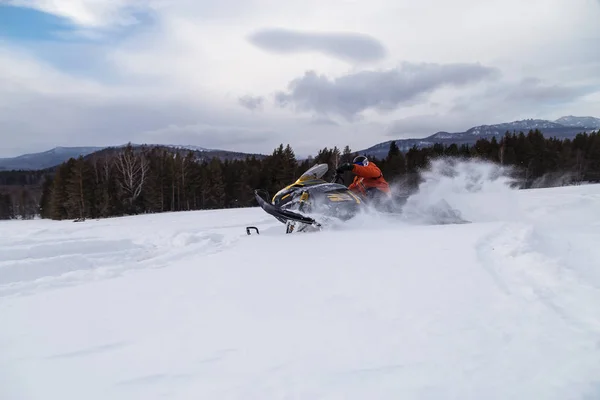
[46, 159]
[562, 128]
[58, 155]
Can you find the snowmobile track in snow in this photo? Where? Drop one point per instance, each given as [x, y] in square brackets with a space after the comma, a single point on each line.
[515, 257]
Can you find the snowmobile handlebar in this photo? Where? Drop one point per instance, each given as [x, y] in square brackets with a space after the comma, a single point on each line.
[337, 177]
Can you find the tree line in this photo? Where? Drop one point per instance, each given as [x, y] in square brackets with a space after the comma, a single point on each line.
[158, 179]
[20, 193]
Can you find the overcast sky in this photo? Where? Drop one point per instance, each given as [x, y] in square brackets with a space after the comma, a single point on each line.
[247, 75]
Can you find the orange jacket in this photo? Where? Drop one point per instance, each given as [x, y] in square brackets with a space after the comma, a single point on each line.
[369, 176]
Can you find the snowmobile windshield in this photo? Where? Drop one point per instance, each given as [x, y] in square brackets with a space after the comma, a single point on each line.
[315, 172]
[310, 177]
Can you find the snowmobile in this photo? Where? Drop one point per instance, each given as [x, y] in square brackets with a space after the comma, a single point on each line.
[310, 202]
[310, 197]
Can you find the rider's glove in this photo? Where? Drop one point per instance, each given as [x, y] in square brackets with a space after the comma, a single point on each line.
[345, 167]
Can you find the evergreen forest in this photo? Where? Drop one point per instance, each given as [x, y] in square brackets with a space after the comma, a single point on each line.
[137, 180]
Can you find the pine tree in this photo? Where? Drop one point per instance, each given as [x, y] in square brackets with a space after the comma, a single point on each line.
[27, 208]
[347, 155]
[45, 199]
[452, 150]
[286, 167]
[6, 206]
[494, 150]
[395, 163]
[242, 189]
[60, 196]
[215, 186]
[79, 189]
[593, 173]
[195, 183]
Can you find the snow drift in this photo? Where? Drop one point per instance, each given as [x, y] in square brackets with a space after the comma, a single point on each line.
[187, 306]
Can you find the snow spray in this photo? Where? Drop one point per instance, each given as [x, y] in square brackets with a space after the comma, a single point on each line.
[478, 190]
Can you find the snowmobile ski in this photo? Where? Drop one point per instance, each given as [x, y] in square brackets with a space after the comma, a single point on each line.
[283, 215]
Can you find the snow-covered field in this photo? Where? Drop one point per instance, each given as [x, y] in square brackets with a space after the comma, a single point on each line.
[187, 306]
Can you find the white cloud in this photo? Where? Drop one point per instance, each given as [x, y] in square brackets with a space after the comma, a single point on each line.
[194, 71]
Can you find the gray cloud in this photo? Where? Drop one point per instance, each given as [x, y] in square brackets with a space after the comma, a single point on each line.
[534, 90]
[251, 102]
[354, 47]
[324, 121]
[352, 94]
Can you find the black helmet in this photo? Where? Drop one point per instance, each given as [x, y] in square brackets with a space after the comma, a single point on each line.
[361, 160]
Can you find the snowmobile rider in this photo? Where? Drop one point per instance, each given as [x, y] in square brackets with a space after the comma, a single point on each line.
[369, 180]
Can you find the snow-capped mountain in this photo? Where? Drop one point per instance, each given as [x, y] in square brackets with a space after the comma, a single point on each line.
[564, 127]
[189, 147]
[582, 122]
[522, 125]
